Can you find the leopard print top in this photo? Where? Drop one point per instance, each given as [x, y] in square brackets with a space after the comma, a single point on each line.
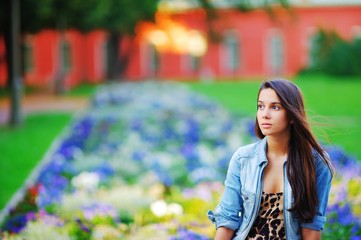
[269, 223]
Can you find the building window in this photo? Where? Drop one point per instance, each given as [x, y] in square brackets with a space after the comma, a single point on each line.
[276, 53]
[154, 62]
[231, 51]
[356, 32]
[314, 49]
[150, 60]
[104, 57]
[191, 63]
[28, 57]
[66, 55]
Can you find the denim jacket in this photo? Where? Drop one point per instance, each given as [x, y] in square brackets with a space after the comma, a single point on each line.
[241, 200]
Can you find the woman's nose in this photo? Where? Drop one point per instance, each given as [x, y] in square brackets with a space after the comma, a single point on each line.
[265, 114]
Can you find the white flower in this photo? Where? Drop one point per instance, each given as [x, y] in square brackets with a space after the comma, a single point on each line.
[127, 199]
[159, 208]
[175, 208]
[38, 230]
[72, 202]
[86, 181]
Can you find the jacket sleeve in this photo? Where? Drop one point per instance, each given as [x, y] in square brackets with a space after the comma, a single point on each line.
[324, 179]
[227, 213]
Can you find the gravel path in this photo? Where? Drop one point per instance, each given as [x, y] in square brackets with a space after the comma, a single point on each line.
[43, 103]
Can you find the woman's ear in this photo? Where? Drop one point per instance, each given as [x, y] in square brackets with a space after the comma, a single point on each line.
[292, 122]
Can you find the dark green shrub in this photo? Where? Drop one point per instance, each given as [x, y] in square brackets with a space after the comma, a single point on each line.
[333, 55]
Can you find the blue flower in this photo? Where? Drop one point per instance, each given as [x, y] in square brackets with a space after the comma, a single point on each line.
[344, 215]
[15, 223]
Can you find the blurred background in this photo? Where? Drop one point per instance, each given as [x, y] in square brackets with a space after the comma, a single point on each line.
[57, 58]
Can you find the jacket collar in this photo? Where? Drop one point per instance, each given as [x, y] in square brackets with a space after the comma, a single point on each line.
[261, 151]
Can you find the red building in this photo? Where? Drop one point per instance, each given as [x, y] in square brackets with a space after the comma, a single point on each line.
[82, 58]
[252, 44]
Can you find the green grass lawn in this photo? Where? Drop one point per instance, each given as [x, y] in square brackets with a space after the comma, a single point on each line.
[22, 148]
[333, 105]
[85, 90]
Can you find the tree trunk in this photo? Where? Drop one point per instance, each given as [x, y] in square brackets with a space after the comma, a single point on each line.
[59, 85]
[61, 25]
[117, 60]
[13, 56]
[112, 56]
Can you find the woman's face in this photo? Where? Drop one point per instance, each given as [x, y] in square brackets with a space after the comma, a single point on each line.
[271, 115]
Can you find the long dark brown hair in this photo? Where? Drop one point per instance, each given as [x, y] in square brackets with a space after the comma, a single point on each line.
[300, 163]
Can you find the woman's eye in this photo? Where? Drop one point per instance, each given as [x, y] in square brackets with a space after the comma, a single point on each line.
[276, 107]
[260, 106]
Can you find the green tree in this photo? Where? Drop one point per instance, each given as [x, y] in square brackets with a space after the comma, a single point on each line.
[119, 18]
[18, 16]
[11, 30]
[333, 55]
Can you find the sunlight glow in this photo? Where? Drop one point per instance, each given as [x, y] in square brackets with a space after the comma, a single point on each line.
[168, 35]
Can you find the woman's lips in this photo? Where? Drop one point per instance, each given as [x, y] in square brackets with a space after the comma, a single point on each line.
[266, 125]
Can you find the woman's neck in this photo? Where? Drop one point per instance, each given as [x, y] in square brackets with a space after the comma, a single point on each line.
[277, 148]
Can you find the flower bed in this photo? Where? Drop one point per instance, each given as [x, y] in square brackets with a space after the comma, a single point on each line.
[147, 161]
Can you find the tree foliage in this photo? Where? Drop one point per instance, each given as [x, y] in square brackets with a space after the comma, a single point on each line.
[34, 15]
[118, 17]
[333, 55]
[114, 15]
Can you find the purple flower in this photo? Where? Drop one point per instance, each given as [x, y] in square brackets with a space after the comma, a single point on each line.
[30, 216]
[185, 234]
[82, 226]
[100, 210]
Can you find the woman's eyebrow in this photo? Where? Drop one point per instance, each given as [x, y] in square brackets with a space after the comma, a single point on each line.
[270, 103]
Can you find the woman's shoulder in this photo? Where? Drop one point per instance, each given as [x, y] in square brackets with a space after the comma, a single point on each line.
[318, 158]
[322, 163]
[250, 150]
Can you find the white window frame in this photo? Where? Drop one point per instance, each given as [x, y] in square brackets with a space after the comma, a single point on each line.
[275, 52]
[230, 53]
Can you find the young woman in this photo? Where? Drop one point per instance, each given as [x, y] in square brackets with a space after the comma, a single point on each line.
[278, 187]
